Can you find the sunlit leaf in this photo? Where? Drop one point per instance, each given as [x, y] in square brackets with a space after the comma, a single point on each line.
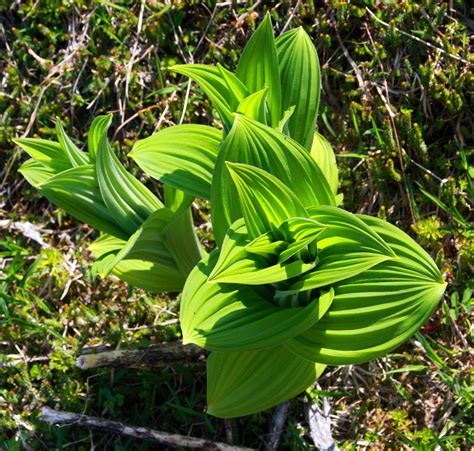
[76, 157]
[377, 310]
[236, 264]
[237, 90]
[99, 126]
[245, 382]
[254, 106]
[265, 202]
[145, 261]
[215, 86]
[129, 201]
[182, 156]
[36, 173]
[228, 317]
[49, 153]
[253, 143]
[346, 247]
[258, 67]
[300, 83]
[324, 156]
[76, 191]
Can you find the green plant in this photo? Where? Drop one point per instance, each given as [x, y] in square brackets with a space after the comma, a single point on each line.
[295, 283]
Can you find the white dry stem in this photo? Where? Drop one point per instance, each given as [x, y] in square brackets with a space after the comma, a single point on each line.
[116, 427]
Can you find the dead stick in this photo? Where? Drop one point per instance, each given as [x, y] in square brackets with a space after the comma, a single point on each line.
[115, 427]
[152, 356]
[276, 425]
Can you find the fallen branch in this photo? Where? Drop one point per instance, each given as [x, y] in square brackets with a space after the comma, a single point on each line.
[115, 427]
[320, 425]
[276, 425]
[152, 356]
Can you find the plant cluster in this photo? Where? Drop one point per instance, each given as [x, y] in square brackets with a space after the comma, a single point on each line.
[295, 282]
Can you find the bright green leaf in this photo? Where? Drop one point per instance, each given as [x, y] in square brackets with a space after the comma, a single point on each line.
[253, 143]
[324, 156]
[49, 153]
[264, 200]
[76, 191]
[228, 317]
[213, 84]
[99, 126]
[254, 106]
[182, 156]
[377, 310]
[36, 173]
[300, 83]
[76, 157]
[129, 201]
[258, 67]
[246, 382]
[145, 261]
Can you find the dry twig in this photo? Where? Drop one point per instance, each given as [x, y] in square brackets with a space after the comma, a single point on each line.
[115, 427]
[152, 356]
[276, 425]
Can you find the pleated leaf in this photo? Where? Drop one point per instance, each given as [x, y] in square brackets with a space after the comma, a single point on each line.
[180, 239]
[258, 67]
[76, 156]
[258, 145]
[237, 265]
[145, 261]
[49, 153]
[76, 191]
[105, 245]
[283, 124]
[104, 250]
[246, 382]
[237, 90]
[182, 156]
[414, 256]
[377, 310]
[215, 87]
[254, 106]
[300, 83]
[324, 156]
[226, 317]
[98, 128]
[36, 173]
[346, 248]
[129, 201]
[265, 201]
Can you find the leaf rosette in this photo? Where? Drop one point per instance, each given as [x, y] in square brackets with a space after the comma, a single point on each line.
[295, 287]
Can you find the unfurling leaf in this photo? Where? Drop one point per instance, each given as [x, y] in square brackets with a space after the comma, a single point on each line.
[254, 106]
[377, 310]
[265, 202]
[258, 67]
[300, 83]
[129, 202]
[258, 145]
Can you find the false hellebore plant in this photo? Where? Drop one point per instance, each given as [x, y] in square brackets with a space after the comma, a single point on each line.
[295, 283]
